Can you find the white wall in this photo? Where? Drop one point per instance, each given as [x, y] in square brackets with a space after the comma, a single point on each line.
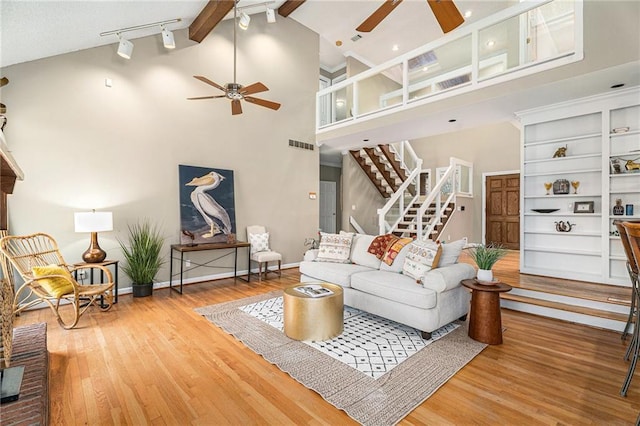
[83, 145]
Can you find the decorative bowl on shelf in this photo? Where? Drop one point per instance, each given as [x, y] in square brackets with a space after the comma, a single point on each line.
[545, 210]
[620, 130]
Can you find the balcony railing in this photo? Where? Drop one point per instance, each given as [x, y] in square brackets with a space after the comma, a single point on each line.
[527, 38]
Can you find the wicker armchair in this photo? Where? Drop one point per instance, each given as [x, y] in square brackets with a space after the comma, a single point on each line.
[48, 278]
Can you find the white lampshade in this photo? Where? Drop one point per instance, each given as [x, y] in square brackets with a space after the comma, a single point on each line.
[93, 221]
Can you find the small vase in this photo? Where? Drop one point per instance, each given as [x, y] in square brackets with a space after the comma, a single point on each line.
[485, 276]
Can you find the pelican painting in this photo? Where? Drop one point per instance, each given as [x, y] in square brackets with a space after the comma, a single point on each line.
[211, 198]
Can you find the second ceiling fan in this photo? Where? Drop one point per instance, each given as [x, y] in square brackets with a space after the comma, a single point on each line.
[445, 11]
[234, 91]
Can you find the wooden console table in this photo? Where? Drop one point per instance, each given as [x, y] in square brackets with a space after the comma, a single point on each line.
[485, 321]
[185, 248]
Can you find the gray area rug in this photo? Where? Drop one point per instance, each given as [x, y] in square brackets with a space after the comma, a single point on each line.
[381, 401]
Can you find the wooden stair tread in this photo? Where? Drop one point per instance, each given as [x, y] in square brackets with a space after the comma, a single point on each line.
[565, 307]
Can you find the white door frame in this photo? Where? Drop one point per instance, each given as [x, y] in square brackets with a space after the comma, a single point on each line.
[484, 197]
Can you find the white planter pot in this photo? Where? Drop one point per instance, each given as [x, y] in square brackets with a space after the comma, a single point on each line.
[485, 276]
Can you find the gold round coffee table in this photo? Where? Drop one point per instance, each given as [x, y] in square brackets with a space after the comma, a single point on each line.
[313, 318]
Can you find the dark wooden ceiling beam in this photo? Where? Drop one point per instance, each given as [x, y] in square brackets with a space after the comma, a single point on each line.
[289, 6]
[209, 17]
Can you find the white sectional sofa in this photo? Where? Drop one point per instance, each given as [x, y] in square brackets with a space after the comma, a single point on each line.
[373, 286]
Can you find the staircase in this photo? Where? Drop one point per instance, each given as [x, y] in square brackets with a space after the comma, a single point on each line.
[412, 208]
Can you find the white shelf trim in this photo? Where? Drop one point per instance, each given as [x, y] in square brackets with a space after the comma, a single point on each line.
[571, 157]
[567, 139]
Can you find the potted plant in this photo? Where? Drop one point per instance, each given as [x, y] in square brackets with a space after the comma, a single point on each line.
[142, 256]
[485, 256]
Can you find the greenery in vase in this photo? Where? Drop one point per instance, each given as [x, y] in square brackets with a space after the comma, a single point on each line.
[142, 252]
[485, 256]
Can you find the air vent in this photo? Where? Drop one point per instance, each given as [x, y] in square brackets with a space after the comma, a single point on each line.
[303, 145]
[356, 37]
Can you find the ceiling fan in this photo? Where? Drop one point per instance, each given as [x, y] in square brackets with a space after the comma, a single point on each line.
[234, 91]
[445, 11]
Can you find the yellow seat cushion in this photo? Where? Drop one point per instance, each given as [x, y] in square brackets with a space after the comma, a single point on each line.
[55, 286]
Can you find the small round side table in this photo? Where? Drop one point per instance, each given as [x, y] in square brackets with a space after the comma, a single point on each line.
[485, 322]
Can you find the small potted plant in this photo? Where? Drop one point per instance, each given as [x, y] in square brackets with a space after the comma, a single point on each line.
[485, 256]
[142, 256]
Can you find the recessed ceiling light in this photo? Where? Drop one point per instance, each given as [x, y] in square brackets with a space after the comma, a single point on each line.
[491, 43]
[395, 47]
[617, 86]
[468, 14]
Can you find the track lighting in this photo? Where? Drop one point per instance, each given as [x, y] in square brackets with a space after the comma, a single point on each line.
[125, 48]
[271, 16]
[167, 38]
[244, 21]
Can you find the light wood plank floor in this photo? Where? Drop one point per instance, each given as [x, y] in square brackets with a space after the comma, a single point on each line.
[155, 361]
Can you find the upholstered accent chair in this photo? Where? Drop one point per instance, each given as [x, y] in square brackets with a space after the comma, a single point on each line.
[261, 253]
[49, 279]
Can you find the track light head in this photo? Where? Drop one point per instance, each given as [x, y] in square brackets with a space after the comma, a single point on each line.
[167, 38]
[244, 21]
[271, 16]
[125, 48]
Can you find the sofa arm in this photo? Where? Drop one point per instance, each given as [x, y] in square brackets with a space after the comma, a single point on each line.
[448, 277]
[311, 255]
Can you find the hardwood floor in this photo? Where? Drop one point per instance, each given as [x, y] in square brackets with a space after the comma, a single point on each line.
[155, 361]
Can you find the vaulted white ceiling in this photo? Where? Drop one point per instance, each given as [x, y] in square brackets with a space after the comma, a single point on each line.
[32, 30]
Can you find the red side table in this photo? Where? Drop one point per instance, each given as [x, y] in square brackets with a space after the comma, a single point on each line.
[485, 322]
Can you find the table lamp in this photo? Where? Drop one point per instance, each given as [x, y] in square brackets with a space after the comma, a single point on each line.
[93, 222]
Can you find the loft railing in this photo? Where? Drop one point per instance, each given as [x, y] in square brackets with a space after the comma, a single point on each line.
[529, 37]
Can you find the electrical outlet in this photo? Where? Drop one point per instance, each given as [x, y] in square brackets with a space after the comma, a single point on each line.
[187, 263]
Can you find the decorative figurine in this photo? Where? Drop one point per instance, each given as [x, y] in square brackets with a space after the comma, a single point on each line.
[548, 186]
[618, 210]
[564, 227]
[575, 184]
[632, 165]
[615, 166]
[561, 186]
[560, 152]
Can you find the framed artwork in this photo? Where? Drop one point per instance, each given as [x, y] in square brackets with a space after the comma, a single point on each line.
[583, 207]
[207, 205]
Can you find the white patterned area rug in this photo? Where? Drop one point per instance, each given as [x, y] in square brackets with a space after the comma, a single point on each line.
[369, 343]
[377, 371]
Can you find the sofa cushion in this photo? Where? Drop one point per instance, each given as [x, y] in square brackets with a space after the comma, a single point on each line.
[335, 273]
[359, 253]
[451, 252]
[381, 244]
[396, 287]
[395, 248]
[398, 262]
[421, 258]
[335, 247]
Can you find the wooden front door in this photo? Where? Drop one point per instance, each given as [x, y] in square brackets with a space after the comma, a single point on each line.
[503, 210]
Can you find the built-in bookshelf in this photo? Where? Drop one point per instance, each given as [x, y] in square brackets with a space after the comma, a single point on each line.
[579, 150]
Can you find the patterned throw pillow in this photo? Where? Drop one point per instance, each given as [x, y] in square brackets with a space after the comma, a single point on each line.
[380, 244]
[395, 248]
[335, 247]
[421, 258]
[55, 286]
[259, 242]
